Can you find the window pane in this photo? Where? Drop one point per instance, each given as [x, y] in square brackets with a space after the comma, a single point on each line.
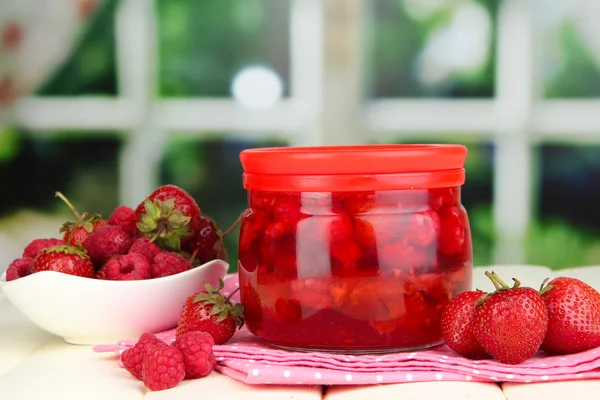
[432, 48]
[568, 231]
[570, 49]
[204, 44]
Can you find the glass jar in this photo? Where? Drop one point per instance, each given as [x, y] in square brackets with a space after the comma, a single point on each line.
[353, 249]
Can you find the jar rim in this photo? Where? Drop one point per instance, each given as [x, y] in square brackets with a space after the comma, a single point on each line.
[354, 167]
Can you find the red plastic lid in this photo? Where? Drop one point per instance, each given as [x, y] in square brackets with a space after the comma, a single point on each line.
[351, 168]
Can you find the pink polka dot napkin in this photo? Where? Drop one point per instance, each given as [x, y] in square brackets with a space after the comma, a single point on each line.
[247, 359]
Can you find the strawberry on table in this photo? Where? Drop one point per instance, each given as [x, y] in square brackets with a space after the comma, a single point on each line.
[209, 311]
[511, 322]
[170, 216]
[65, 259]
[574, 316]
[457, 323]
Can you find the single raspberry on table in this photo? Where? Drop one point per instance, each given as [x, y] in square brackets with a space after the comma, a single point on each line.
[168, 263]
[105, 242]
[124, 217]
[163, 367]
[37, 245]
[133, 358]
[126, 267]
[145, 247]
[19, 268]
[198, 356]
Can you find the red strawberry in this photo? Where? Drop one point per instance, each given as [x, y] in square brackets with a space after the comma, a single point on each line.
[19, 268]
[77, 233]
[167, 263]
[106, 242]
[124, 217]
[452, 230]
[212, 313]
[206, 243]
[36, 245]
[457, 322]
[510, 323]
[163, 367]
[127, 267]
[170, 215]
[133, 358]
[574, 316]
[65, 259]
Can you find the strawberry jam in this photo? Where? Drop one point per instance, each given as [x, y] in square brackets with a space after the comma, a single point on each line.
[367, 265]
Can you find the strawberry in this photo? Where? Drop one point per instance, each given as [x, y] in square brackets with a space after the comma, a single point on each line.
[574, 316]
[457, 322]
[510, 323]
[210, 312]
[77, 233]
[170, 216]
[65, 259]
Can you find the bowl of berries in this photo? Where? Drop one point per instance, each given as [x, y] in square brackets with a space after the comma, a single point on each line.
[116, 278]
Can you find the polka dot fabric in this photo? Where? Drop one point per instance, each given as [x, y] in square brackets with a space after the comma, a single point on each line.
[249, 360]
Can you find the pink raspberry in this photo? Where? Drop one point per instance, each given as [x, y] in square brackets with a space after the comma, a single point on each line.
[105, 242]
[127, 267]
[163, 367]
[124, 217]
[198, 356]
[167, 263]
[133, 358]
[146, 248]
[37, 245]
[19, 268]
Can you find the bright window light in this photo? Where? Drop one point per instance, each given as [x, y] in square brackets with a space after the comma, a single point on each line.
[257, 87]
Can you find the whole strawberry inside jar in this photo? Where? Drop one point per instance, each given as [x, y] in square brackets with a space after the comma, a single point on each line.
[353, 249]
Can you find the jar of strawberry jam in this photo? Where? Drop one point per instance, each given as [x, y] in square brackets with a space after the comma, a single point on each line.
[353, 249]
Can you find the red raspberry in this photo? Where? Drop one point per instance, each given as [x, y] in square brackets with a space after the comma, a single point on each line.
[133, 358]
[146, 248]
[167, 263]
[105, 242]
[19, 268]
[127, 267]
[163, 367]
[33, 248]
[198, 356]
[124, 217]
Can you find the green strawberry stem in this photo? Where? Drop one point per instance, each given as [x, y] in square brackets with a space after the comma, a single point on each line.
[545, 287]
[232, 227]
[80, 218]
[193, 256]
[492, 278]
[232, 293]
[68, 203]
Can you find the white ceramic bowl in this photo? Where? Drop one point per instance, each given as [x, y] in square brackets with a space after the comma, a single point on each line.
[92, 311]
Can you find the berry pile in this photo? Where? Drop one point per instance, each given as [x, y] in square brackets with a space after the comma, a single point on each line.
[164, 235]
[352, 270]
[162, 366]
[512, 323]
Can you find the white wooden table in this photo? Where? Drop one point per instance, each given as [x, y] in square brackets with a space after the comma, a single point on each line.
[37, 365]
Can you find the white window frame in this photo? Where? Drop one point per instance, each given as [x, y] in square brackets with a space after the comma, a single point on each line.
[326, 105]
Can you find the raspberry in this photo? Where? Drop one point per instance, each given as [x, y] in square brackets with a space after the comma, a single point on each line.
[146, 248]
[163, 367]
[198, 356]
[105, 242]
[124, 217]
[133, 358]
[19, 268]
[33, 248]
[127, 267]
[167, 263]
